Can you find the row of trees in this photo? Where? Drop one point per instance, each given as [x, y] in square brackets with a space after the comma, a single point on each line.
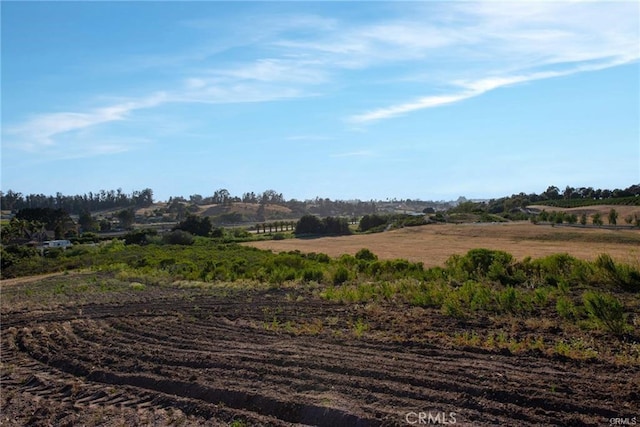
[275, 226]
[558, 217]
[553, 193]
[101, 200]
[222, 196]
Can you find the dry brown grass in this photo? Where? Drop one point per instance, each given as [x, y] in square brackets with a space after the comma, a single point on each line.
[433, 244]
[243, 208]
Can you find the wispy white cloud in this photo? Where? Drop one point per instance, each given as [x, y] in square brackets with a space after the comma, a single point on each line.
[418, 104]
[44, 131]
[360, 153]
[472, 88]
[500, 44]
[308, 138]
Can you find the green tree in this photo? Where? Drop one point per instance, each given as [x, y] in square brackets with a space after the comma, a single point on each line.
[126, 217]
[56, 220]
[87, 222]
[583, 219]
[552, 193]
[335, 226]
[309, 224]
[367, 222]
[178, 237]
[195, 225]
[596, 219]
[613, 217]
[104, 225]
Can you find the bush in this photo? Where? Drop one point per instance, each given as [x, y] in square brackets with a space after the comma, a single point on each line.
[322, 258]
[340, 276]
[565, 308]
[13, 254]
[509, 300]
[481, 263]
[178, 237]
[366, 255]
[606, 310]
[624, 276]
[312, 275]
[139, 237]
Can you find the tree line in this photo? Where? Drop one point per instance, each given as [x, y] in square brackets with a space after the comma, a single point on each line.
[75, 205]
[570, 196]
[117, 199]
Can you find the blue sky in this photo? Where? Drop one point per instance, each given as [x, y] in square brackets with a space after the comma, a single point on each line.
[428, 100]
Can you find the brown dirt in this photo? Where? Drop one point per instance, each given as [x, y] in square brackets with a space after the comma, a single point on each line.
[170, 356]
[433, 244]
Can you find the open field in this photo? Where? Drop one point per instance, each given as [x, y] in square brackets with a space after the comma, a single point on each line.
[433, 244]
[89, 349]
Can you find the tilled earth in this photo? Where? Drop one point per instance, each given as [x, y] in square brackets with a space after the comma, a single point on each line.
[170, 356]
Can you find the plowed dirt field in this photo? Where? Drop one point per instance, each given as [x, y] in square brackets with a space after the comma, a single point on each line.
[166, 355]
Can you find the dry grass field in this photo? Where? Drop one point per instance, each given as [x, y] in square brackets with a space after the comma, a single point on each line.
[433, 244]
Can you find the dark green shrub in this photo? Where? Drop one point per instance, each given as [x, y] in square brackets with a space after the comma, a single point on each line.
[366, 255]
[290, 259]
[478, 263]
[565, 308]
[322, 258]
[178, 237]
[340, 276]
[217, 232]
[347, 260]
[281, 275]
[624, 276]
[54, 253]
[312, 275]
[509, 300]
[606, 310]
[139, 237]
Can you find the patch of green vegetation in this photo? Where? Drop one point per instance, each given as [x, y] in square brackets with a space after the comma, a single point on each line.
[607, 310]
